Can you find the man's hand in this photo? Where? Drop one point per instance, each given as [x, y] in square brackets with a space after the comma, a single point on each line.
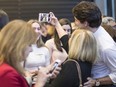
[90, 82]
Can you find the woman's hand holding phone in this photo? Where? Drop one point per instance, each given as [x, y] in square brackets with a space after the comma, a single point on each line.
[49, 72]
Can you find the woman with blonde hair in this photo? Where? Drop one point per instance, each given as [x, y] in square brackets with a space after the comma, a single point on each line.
[16, 39]
[36, 25]
[83, 49]
[83, 46]
[40, 56]
[15, 45]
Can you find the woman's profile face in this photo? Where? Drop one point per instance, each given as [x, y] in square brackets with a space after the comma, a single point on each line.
[37, 29]
[36, 26]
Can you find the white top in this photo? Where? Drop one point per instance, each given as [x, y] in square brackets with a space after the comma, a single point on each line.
[38, 57]
[106, 64]
[55, 53]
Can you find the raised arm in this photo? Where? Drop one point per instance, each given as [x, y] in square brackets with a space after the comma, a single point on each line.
[61, 33]
[55, 22]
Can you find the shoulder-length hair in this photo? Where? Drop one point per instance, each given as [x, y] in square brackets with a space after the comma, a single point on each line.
[83, 46]
[14, 38]
[39, 42]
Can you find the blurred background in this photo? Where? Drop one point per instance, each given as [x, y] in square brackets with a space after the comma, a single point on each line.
[29, 9]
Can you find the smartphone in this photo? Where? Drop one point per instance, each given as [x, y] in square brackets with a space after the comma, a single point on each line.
[56, 64]
[44, 17]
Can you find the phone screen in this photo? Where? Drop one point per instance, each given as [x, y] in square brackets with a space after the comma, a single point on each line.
[56, 64]
[44, 17]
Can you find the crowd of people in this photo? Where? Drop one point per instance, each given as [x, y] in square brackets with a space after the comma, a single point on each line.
[29, 50]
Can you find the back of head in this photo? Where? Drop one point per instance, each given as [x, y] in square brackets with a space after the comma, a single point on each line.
[83, 46]
[14, 38]
[88, 11]
[4, 19]
[109, 21]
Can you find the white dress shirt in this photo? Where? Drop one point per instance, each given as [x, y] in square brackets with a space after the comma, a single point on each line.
[106, 64]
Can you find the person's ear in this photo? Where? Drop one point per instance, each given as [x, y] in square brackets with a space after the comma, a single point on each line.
[86, 24]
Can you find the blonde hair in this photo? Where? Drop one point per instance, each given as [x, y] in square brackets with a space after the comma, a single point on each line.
[31, 21]
[39, 42]
[14, 38]
[83, 46]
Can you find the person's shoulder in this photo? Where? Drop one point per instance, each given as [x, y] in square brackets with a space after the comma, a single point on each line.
[69, 67]
[9, 77]
[73, 62]
[7, 70]
[6, 67]
[68, 63]
[50, 42]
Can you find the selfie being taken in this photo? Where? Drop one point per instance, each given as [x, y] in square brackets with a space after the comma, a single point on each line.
[57, 43]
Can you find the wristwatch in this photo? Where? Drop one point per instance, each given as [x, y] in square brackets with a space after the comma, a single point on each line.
[97, 82]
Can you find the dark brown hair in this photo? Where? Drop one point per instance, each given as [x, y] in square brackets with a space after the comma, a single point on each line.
[88, 11]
